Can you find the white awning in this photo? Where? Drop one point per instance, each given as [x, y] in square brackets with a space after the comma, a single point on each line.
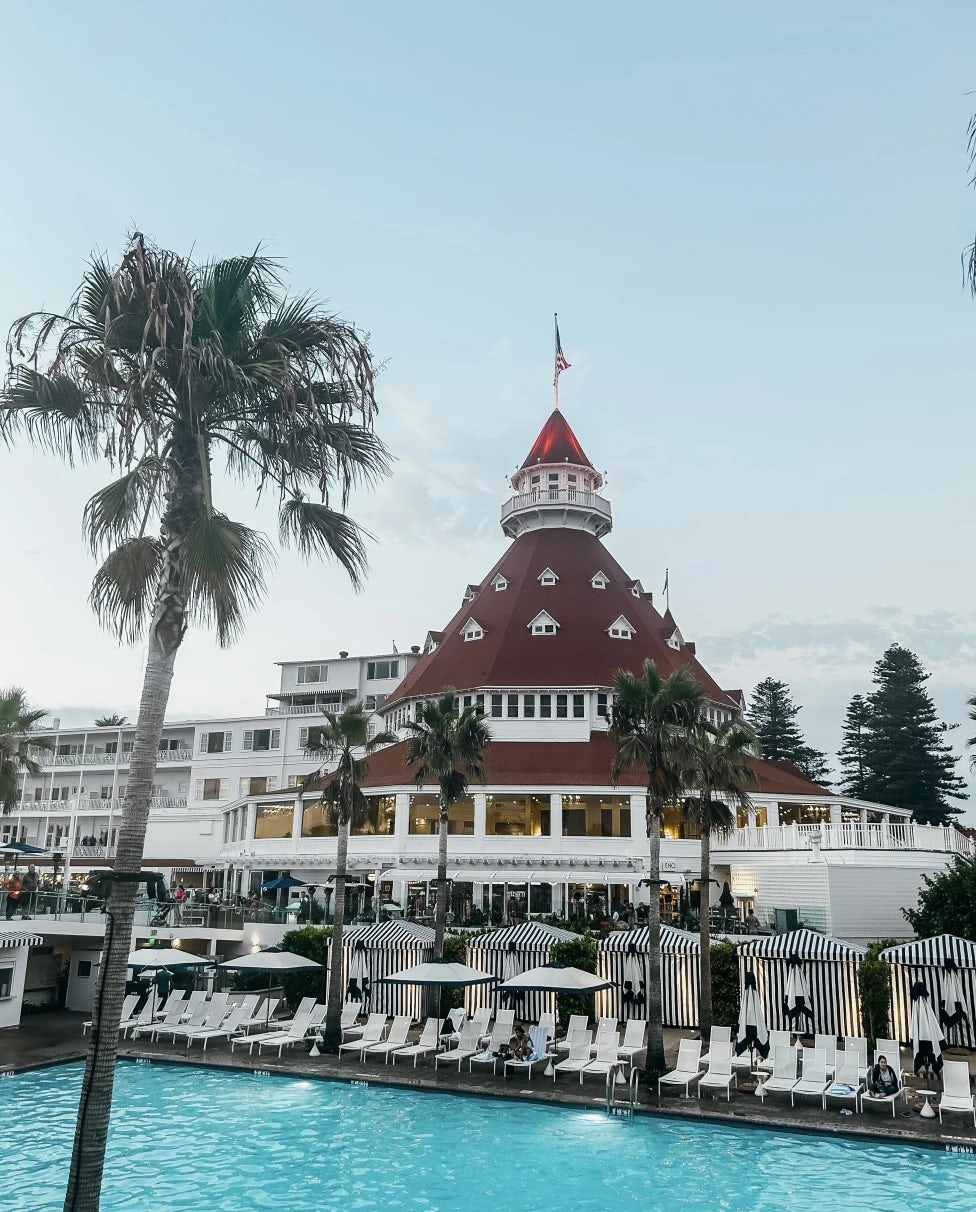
[21, 940]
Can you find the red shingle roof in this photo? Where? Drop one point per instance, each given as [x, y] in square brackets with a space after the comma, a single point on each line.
[580, 654]
[556, 443]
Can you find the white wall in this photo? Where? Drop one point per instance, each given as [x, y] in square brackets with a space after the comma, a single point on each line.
[866, 903]
[10, 1006]
[81, 989]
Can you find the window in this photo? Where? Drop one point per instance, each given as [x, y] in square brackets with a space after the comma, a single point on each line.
[6, 981]
[380, 671]
[260, 740]
[425, 815]
[258, 786]
[620, 629]
[547, 577]
[553, 477]
[517, 815]
[467, 701]
[545, 706]
[500, 583]
[537, 479]
[312, 673]
[543, 624]
[215, 742]
[105, 791]
[599, 581]
[303, 738]
[112, 747]
[513, 704]
[273, 821]
[602, 707]
[528, 706]
[596, 816]
[213, 789]
[579, 706]
[496, 706]
[562, 702]
[378, 817]
[472, 630]
[479, 702]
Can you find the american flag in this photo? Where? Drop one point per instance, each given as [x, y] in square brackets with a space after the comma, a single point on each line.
[561, 362]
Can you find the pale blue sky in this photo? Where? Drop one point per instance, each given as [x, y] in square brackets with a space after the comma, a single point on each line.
[749, 217]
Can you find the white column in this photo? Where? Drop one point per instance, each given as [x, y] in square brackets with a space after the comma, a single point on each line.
[556, 814]
[296, 825]
[835, 814]
[864, 816]
[401, 820]
[480, 813]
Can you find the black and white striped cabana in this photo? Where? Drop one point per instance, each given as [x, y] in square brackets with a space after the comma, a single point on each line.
[21, 940]
[622, 957]
[506, 953]
[830, 967]
[390, 947]
[924, 960]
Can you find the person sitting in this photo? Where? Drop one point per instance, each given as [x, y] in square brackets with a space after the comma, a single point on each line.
[519, 1048]
[883, 1081]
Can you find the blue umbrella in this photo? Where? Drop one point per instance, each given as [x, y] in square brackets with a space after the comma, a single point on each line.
[22, 848]
[283, 881]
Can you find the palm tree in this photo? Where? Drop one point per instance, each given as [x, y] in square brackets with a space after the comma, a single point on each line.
[446, 747]
[111, 721]
[719, 776]
[160, 365]
[651, 727]
[339, 740]
[17, 740]
[971, 743]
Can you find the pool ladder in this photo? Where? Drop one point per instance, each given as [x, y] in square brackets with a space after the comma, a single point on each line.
[629, 1100]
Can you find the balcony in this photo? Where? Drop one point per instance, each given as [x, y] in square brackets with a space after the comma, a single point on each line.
[94, 807]
[849, 835]
[556, 507]
[98, 757]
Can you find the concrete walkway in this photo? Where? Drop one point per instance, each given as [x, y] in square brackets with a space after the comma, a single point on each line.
[51, 1038]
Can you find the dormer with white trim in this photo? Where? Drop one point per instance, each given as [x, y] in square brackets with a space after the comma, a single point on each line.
[621, 629]
[543, 624]
[599, 580]
[432, 641]
[499, 584]
[547, 577]
[472, 630]
[636, 588]
[470, 593]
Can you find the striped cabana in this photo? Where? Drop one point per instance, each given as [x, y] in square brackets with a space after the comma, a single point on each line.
[507, 952]
[830, 968]
[389, 947]
[925, 960]
[622, 958]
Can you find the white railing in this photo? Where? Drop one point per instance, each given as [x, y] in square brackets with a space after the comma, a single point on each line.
[98, 757]
[850, 835]
[95, 807]
[172, 755]
[556, 496]
[303, 709]
[77, 853]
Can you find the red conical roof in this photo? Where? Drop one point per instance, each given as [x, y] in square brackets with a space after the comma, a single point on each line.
[557, 443]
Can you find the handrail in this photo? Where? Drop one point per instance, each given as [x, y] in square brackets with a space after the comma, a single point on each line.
[611, 1091]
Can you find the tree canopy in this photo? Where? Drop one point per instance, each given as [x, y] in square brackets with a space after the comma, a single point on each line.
[853, 751]
[17, 743]
[947, 902]
[772, 714]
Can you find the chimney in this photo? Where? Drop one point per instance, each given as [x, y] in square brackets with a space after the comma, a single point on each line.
[56, 723]
[414, 648]
[343, 655]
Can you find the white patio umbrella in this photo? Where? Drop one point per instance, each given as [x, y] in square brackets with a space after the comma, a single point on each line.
[556, 978]
[796, 999]
[438, 972]
[145, 959]
[752, 1034]
[271, 960]
[927, 1038]
[952, 1004]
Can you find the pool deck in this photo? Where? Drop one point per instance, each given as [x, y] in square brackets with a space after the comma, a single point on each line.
[53, 1038]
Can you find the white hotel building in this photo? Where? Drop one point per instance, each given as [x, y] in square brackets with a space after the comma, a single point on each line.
[534, 642]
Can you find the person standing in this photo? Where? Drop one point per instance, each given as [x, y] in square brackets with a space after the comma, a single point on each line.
[13, 896]
[28, 892]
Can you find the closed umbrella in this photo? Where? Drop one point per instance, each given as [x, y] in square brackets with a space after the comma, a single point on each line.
[634, 988]
[952, 1004]
[753, 1034]
[510, 969]
[796, 1000]
[927, 1038]
[357, 989]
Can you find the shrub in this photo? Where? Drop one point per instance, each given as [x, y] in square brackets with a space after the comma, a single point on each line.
[874, 984]
[725, 984]
[575, 953]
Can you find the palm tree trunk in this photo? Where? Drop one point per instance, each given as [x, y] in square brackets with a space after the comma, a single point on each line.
[440, 912]
[332, 1036]
[705, 995]
[184, 502]
[655, 1025]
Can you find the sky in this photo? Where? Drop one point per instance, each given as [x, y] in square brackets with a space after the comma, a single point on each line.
[749, 217]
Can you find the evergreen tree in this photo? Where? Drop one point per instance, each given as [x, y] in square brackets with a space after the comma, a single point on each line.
[772, 714]
[908, 762]
[852, 755]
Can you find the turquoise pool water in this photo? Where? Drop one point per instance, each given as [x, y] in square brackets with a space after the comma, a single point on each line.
[184, 1140]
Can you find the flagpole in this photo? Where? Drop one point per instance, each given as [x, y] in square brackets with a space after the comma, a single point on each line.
[555, 377]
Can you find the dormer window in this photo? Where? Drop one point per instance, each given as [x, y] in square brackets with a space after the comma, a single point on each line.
[674, 642]
[620, 629]
[472, 630]
[499, 583]
[547, 577]
[636, 588]
[543, 624]
[599, 581]
[470, 593]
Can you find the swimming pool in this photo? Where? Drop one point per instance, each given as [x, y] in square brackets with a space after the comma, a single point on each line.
[184, 1139]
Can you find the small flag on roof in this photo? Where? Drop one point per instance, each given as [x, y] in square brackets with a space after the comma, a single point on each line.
[561, 362]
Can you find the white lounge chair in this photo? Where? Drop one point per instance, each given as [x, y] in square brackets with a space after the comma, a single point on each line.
[228, 1028]
[455, 1020]
[468, 1044]
[828, 1046]
[295, 1032]
[372, 1033]
[718, 1035]
[548, 1020]
[429, 1042]
[686, 1069]
[293, 1027]
[501, 1035]
[575, 1027]
[606, 1059]
[956, 1092]
[539, 1052]
[606, 1030]
[890, 1049]
[260, 1016]
[777, 1039]
[635, 1040]
[858, 1044]
[814, 1080]
[175, 1009]
[784, 1077]
[396, 1038]
[143, 1019]
[128, 1005]
[847, 1082]
[579, 1055]
[719, 1074]
[209, 1014]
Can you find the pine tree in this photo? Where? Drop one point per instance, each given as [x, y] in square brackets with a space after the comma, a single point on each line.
[908, 761]
[852, 755]
[772, 714]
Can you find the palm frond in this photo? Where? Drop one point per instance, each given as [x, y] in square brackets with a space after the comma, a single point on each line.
[316, 529]
[122, 507]
[54, 413]
[123, 590]
[225, 564]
